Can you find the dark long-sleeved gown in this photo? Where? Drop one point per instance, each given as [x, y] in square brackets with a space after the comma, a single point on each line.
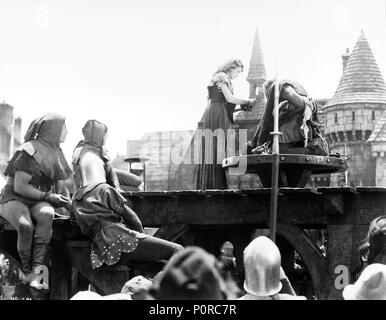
[219, 115]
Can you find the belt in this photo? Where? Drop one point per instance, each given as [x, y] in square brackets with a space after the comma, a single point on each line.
[11, 182]
[217, 100]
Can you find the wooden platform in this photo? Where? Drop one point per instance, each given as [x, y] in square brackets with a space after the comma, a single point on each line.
[209, 218]
[294, 169]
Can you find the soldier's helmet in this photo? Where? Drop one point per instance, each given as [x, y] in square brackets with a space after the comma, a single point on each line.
[262, 267]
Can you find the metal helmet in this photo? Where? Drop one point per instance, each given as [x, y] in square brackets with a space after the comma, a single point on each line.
[262, 262]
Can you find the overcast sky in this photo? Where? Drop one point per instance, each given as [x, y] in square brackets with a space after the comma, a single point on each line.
[143, 65]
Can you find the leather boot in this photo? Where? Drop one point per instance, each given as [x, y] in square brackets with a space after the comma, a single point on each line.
[39, 265]
[40, 252]
[25, 259]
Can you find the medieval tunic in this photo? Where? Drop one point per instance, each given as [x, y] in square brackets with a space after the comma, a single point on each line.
[290, 118]
[40, 156]
[97, 209]
[219, 115]
[22, 161]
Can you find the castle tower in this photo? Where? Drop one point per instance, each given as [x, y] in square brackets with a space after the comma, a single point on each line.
[6, 134]
[250, 120]
[256, 78]
[352, 113]
[17, 139]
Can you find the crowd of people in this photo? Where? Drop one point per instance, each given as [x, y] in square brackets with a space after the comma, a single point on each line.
[194, 274]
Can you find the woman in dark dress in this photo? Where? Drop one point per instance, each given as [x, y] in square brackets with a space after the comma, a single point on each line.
[36, 175]
[218, 116]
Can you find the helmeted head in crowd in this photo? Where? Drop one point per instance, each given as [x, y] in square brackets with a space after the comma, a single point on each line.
[262, 262]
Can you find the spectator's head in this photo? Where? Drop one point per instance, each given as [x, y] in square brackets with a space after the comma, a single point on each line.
[191, 274]
[137, 287]
[227, 249]
[262, 267]
[371, 284]
[375, 241]
[227, 258]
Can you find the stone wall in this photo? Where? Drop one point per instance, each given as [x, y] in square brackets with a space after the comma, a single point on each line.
[351, 122]
[361, 167]
[352, 125]
[164, 151]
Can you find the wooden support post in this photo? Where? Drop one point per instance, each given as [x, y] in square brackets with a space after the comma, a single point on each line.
[107, 280]
[60, 273]
[310, 254]
[340, 249]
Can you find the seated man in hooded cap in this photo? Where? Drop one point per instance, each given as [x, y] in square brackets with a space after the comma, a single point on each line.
[105, 216]
[35, 188]
[297, 121]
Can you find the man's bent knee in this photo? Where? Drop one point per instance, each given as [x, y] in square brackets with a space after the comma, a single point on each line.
[43, 214]
[15, 212]
[25, 228]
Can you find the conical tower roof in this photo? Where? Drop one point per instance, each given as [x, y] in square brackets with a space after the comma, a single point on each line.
[256, 73]
[362, 81]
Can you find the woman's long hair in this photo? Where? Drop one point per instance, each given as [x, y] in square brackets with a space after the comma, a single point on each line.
[267, 86]
[375, 241]
[229, 65]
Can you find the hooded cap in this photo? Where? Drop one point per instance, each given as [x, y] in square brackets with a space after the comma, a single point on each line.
[46, 129]
[44, 136]
[94, 133]
[191, 274]
[371, 284]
